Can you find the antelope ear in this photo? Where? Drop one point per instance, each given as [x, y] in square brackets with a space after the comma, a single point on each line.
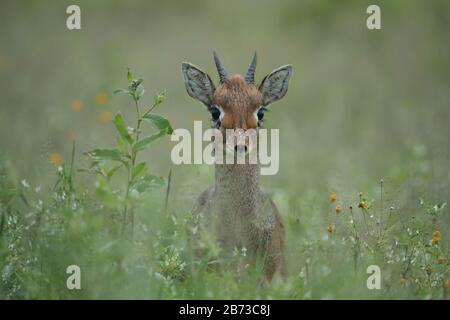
[198, 84]
[275, 85]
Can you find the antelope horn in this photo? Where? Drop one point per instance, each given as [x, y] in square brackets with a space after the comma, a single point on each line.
[223, 74]
[250, 76]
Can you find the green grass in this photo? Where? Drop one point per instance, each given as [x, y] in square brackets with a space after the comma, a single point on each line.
[44, 231]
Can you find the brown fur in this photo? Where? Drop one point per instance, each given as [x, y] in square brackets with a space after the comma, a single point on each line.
[243, 215]
[239, 100]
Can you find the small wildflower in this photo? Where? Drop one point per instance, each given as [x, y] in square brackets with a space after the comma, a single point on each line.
[101, 99]
[338, 208]
[105, 116]
[25, 183]
[160, 98]
[76, 105]
[441, 260]
[331, 228]
[55, 159]
[436, 237]
[333, 197]
[447, 283]
[362, 203]
[428, 270]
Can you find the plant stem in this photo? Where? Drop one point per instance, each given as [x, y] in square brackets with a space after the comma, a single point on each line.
[150, 110]
[125, 208]
[70, 179]
[381, 208]
[138, 119]
[168, 191]
[72, 162]
[130, 169]
[357, 245]
[129, 174]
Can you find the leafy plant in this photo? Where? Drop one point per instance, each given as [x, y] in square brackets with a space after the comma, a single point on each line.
[129, 145]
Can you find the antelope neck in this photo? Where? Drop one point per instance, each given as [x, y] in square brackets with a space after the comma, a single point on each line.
[237, 187]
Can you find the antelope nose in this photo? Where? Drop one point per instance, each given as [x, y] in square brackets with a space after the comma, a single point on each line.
[240, 148]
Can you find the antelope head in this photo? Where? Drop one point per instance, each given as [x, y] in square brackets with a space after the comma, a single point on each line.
[236, 102]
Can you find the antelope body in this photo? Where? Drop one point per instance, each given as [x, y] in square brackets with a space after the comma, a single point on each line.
[235, 207]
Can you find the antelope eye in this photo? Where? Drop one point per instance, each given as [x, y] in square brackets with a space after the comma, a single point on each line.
[215, 113]
[260, 113]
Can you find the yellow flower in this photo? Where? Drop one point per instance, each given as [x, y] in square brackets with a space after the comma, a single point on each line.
[447, 283]
[55, 159]
[338, 208]
[362, 205]
[331, 228]
[105, 116]
[436, 237]
[101, 99]
[333, 197]
[77, 105]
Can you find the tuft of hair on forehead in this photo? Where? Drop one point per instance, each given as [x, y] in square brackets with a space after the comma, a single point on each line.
[235, 82]
[236, 92]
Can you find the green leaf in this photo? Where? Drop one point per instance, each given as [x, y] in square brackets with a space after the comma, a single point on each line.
[159, 122]
[122, 145]
[106, 154]
[129, 75]
[113, 170]
[142, 144]
[139, 92]
[139, 170]
[150, 181]
[121, 91]
[119, 122]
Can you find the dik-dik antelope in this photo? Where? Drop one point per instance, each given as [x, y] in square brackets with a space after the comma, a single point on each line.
[244, 216]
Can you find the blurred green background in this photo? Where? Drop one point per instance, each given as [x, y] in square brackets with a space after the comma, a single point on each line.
[362, 105]
[358, 103]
